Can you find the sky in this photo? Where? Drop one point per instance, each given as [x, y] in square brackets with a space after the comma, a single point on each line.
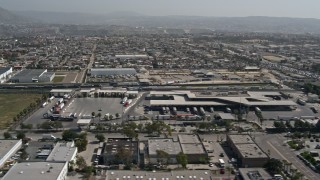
[228, 8]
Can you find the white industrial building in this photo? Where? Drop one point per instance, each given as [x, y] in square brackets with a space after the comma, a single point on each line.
[8, 148]
[38, 170]
[112, 71]
[63, 151]
[188, 98]
[4, 73]
[130, 56]
[33, 75]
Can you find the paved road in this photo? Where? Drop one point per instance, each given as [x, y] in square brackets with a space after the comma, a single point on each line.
[90, 63]
[274, 143]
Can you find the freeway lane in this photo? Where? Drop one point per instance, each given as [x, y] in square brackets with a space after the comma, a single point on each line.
[274, 143]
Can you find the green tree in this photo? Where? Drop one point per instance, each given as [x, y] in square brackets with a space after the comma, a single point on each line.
[274, 166]
[111, 117]
[117, 115]
[93, 114]
[69, 135]
[100, 137]
[7, 135]
[163, 157]
[99, 115]
[81, 162]
[182, 159]
[124, 156]
[21, 135]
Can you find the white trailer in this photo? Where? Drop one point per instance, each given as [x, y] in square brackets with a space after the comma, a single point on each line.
[61, 105]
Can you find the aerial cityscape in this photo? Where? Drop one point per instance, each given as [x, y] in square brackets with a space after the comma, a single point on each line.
[186, 96]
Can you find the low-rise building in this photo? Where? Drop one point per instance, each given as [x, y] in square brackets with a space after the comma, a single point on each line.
[4, 73]
[8, 148]
[254, 174]
[63, 151]
[120, 151]
[246, 150]
[193, 148]
[173, 175]
[37, 170]
[169, 146]
[33, 75]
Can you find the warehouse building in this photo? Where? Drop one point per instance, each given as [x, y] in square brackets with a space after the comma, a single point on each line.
[254, 174]
[37, 170]
[246, 150]
[33, 75]
[61, 92]
[4, 73]
[130, 56]
[161, 175]
[167, 145]
[63, 151]
[8, 148]
[263, 100]
[193, 148]
[112, 71]
[115, 147]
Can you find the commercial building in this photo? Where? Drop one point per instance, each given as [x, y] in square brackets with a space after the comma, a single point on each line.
[246, 150]
[173, 175]
[112, 71]
[63, 151]
[116, 147]
[4, 73]
[61, 92]
[254, 174]
[38, 170]
[130, 56]
[193, 148]
[264, 100]
[33, 75]
[8, 148]
[172, 148]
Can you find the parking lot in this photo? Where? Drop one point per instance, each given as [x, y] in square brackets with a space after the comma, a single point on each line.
[85, 106]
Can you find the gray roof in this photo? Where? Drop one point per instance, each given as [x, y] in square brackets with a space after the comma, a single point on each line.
[188, 138]
[173, 175]
[113, 71]
[29, 74]
[227, 116]
[4, 69]
[168, 145]
[246, 146]
[188, 98]
[35, 170]
[6, 146]
[63, 151]
[254, 174]
[192, 149]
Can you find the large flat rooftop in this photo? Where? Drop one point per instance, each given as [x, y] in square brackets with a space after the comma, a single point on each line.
[240, 139]
[63, 151]
[188, 138]
[187, 98]
[173, 175]
[192, 148]
[251, 151]
[6, 146]
[35, 170]
[167, 145]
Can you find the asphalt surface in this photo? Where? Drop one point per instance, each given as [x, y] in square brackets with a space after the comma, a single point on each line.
[274, 143]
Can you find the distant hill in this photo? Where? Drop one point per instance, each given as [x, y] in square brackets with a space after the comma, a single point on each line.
[9, 17]
[233, 24]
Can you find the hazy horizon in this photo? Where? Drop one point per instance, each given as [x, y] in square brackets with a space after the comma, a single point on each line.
[218, 8]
